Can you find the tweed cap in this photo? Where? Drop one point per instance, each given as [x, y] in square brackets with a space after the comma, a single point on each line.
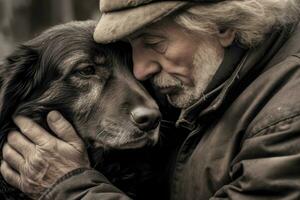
[120, 18]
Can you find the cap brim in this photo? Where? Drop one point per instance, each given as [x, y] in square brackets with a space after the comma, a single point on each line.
[116, 25]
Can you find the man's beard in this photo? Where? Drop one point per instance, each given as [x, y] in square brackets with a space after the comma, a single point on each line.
[206, 62]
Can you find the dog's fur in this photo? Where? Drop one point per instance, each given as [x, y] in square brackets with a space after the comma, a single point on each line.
[91, 84]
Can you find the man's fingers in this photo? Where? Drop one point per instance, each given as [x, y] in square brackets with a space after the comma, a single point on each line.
[12, 157]
[62, 128]
[9, 175]
[32, 130]
[20, 143]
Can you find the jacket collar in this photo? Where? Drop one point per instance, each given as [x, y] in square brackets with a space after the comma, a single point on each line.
[254, 60]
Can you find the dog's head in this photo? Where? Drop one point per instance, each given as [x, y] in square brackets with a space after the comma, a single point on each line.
[91, 84]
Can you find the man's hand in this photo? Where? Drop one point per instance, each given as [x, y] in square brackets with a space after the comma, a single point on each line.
[34, 159]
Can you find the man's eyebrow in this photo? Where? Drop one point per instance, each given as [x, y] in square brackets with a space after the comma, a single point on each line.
[145, 32]
[136, 36]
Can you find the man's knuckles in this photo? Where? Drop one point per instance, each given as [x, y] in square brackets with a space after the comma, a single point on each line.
[22, 145]
[35, 164]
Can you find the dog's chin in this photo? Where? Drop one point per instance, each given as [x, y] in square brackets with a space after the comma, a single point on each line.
[115, 141]
[134, 143]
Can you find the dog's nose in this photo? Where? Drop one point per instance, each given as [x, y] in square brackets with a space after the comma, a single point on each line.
[145, 118]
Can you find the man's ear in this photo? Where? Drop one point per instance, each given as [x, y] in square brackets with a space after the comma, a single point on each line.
[226, 37]
[19, 74]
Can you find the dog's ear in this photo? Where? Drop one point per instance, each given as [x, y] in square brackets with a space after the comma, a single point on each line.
[19, 76]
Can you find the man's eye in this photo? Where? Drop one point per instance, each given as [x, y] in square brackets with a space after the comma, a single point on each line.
[87, 71]
[157, 44]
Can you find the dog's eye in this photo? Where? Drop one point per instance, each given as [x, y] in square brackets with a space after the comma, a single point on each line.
[87, 71]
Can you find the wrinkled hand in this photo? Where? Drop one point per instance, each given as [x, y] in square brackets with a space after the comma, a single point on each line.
[34, 160]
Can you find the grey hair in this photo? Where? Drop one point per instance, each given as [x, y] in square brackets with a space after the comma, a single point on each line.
[251, 19]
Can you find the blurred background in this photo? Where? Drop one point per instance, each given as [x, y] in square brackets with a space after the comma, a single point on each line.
[21, 20]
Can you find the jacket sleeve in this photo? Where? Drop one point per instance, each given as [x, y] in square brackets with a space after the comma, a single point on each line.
[267, 166]
[85, 184]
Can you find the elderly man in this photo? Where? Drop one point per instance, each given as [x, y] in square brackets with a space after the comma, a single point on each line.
[232, 67]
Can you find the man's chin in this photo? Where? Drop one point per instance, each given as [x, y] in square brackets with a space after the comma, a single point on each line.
[178, 101]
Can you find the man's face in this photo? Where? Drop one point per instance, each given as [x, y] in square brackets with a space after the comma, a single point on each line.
[178, 63]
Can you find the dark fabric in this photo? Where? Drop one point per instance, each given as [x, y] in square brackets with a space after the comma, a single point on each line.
[72, 173]
[240, 142]
[232, 56]
[85, 184]
[245, 144]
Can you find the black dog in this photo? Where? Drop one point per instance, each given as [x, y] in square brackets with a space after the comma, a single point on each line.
[91, 84]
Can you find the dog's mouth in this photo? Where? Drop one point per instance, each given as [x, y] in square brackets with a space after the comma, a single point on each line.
[128, 144]
[125, 137]
[148, 138]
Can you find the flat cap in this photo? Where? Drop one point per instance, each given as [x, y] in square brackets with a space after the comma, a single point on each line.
[120, 18]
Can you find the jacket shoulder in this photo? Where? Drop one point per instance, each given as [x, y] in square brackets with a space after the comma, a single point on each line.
[283, 102]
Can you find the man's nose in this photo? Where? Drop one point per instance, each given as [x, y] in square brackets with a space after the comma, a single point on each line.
[144, 64]
[144, 71]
